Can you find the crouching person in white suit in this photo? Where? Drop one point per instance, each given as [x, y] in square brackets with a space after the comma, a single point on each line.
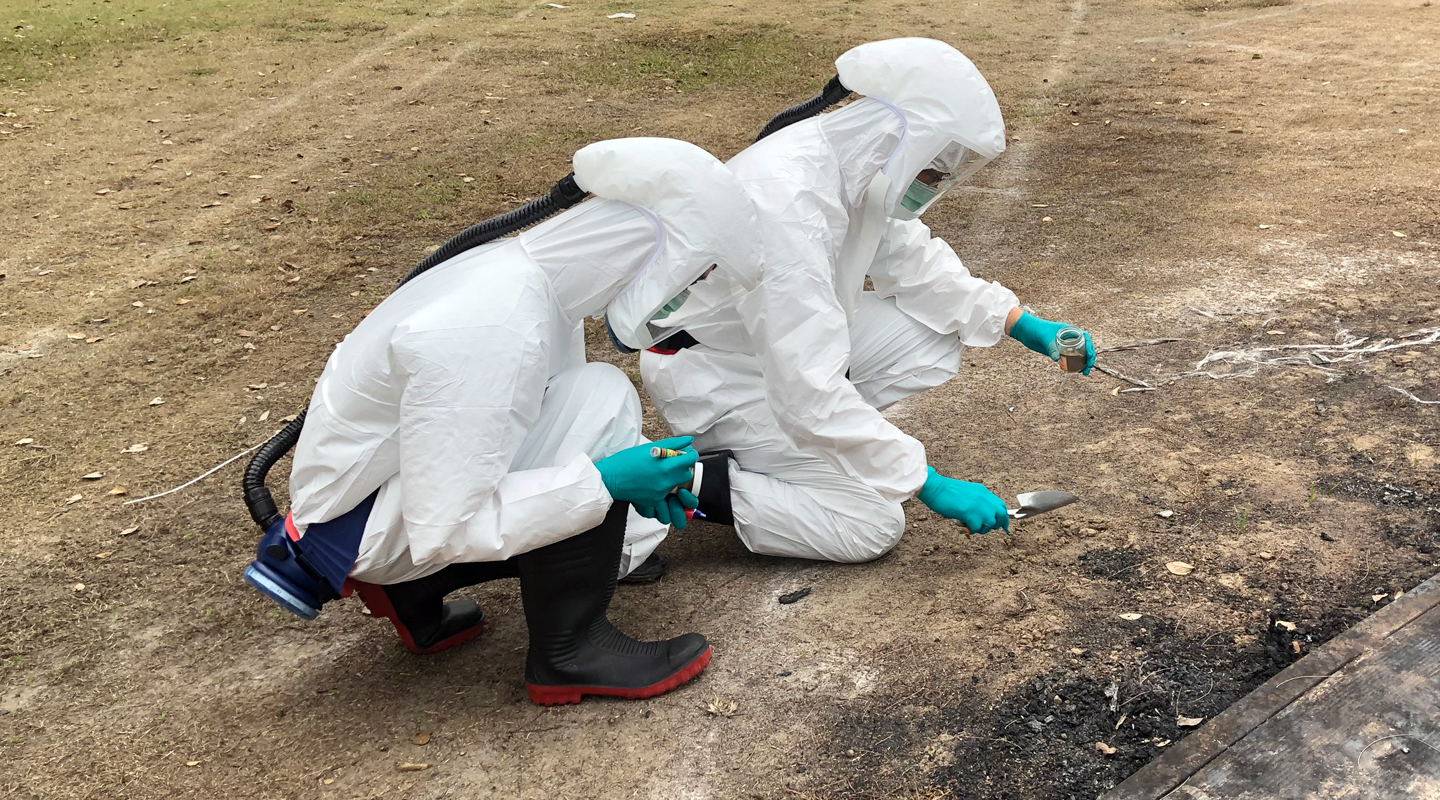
[458, 436]
[783, 391]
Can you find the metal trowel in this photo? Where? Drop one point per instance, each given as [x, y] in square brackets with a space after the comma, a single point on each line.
[1032, 503]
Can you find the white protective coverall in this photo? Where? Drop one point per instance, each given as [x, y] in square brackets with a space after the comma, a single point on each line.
[464, 398]
[794, 378]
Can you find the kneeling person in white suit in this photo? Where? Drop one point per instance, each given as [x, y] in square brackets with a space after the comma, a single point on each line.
[783, 391]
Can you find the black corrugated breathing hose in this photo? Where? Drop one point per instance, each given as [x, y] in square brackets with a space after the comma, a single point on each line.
[563, 195]
[833, 93]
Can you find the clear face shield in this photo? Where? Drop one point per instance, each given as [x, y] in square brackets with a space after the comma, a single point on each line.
[716, 288]
[955, 164]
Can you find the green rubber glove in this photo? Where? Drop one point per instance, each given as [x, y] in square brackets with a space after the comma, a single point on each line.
[1039, 335]
[971, 504]
[636, 477]
[671, 510]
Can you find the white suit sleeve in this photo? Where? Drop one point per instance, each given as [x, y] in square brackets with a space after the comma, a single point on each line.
[929, 283]
[470, 397]
[803, 339]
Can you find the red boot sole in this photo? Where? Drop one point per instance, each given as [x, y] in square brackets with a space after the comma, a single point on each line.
[379, 605]
[561, 695]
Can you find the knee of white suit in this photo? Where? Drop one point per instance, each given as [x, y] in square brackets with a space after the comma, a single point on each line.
[825, 518]
[598, 386]
[894, 356]
[591, 409]
[867, 540]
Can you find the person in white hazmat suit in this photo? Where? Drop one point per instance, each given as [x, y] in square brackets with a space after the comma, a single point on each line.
[783, 391]
[461, 437]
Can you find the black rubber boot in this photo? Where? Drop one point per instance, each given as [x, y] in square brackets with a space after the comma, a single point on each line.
[574, 650]
[425, 622]
[649, 571]
[714, 493]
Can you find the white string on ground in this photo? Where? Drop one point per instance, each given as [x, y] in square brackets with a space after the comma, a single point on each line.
[1320, 357]
[1248, 362]
[1416, 399]
[199, 478]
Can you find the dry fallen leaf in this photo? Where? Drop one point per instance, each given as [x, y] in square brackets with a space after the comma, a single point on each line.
[1180, 568]
[409, 767]
[79, 587]
[1398, 234]
[1375, 598]
[1188, 722]
[328, 781]
[1162, 744]
[119, 490]
[159, 401]
[257, 386]
[1266, 555]
[1289, 626]
[192, 763]
[1105, 748]
[26, 440]
[105, 554]
[93, 339]
[136, 448]
[73, 499]
[423, 737]
[130, 530]
[1131, 616]
[93, 476]
[74, 336]
[264, 415]
[722, 707]
[180, 301]
[247, 333]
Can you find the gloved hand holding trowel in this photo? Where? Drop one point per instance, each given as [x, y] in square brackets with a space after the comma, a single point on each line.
[971, 504]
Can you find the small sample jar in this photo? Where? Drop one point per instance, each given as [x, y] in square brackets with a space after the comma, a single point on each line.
[1070, 341]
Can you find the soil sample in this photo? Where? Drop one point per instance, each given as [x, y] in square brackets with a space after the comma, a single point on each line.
[1070, 341]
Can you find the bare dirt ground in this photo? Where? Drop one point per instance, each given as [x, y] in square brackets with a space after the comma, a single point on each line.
[200, 201]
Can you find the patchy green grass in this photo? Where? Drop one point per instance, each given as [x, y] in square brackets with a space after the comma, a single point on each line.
[505, 170]
[46, 39]
[1221, 5]
[761, 58]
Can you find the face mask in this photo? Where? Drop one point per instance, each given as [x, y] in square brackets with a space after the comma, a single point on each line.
[672, 306]
[918, 195]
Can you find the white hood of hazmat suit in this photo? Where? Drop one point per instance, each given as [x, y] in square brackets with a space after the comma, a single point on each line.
[433, 399]
[828, 192]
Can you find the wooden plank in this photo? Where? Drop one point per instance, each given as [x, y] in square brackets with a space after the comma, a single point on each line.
[1360, 735]
[1164, 774]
